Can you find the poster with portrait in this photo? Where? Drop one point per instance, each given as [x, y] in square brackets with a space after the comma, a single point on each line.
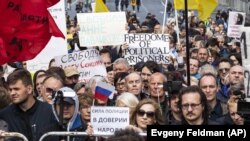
[235, 22]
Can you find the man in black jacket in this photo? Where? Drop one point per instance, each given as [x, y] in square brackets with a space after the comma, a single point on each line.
[27, 115]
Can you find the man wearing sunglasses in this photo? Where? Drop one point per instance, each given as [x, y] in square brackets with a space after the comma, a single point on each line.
[223, 69]
[51, 84]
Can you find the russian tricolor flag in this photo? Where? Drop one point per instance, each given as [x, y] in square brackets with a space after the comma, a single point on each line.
[103, 90]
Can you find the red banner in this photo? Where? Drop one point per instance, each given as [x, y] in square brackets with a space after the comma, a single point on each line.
[26, 27]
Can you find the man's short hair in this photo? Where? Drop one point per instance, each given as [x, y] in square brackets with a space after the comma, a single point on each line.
[125, 135]
[20, 74]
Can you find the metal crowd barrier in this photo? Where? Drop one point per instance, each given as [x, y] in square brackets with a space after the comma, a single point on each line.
[76, 134]
[13, 134]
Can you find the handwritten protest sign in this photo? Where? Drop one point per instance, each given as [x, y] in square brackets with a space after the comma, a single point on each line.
[56, 46]
[109, 119]
[143, 47]
[245, 53]
[100, 29]
[87, 62]
[235, 22]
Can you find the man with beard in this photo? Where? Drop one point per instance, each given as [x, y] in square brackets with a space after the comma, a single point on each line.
[148, 69]
[72, 76]
[194, 107]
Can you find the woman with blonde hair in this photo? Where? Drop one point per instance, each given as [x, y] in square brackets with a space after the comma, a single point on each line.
[127, 99]
[147, 112]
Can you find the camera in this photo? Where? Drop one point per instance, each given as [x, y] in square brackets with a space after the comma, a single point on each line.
[243, 107]
[172, 87]
[244, 110]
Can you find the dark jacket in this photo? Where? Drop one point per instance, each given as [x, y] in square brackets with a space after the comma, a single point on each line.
[75, 123]
[33, 123]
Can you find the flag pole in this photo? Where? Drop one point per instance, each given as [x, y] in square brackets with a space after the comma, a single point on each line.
[164, 17]
[177, 26]
[187, 43]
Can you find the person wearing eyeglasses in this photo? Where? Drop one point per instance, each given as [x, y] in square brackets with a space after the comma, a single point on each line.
[51, 84]
[194, 107]
[223, 69]
[147, 112]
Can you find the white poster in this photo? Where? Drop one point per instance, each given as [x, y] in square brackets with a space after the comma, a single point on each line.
[106, 120]
[101, 29]
[236, 21]
[87, 62]
[56, 46]
[144, 47]
[245, 53]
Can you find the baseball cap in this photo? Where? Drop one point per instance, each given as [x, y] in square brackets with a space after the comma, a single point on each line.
[70, 71]
[68, 95]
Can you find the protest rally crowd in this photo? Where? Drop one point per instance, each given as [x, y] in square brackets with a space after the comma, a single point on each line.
[155, 93]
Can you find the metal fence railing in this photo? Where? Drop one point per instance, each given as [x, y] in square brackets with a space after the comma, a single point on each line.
[77, 134]
[13, 134]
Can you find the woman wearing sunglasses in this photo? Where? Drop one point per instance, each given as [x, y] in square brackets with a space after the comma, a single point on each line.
[147, 112]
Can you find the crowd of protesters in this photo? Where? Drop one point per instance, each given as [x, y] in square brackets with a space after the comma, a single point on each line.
[31, 106]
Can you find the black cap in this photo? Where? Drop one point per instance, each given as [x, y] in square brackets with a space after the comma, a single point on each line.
[67, 100]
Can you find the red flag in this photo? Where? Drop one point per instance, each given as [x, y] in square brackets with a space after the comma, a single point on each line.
[26, 27]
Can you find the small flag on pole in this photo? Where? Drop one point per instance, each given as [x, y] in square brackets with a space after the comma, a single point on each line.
[103, 91]
[100, 6]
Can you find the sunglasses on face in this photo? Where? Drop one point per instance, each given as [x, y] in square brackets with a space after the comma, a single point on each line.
[149, 114]
[49, 90]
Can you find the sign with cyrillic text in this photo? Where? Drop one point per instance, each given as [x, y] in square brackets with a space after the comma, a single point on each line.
[101, 29]
[144, 47]
[87, 62]
[109, 119]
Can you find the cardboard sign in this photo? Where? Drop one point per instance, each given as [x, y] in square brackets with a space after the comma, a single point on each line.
[87, 62]
[143, 47]
[109, 119]
[101, 29]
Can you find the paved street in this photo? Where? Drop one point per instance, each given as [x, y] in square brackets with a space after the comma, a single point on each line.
[155, 7]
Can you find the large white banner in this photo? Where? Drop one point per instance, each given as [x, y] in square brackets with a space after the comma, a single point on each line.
[106, 120]
[56, 46]
[87, 62]
[245, 53]
[144, 47]
[236, 21]
[100, 29]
